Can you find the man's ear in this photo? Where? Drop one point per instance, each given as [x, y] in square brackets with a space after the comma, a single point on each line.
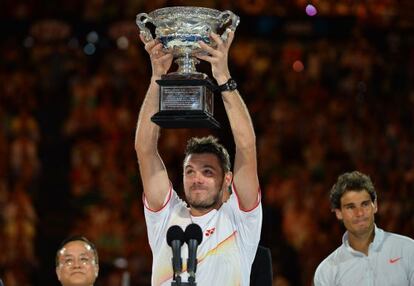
[96, 270]
[57, 272]
[338, 214]
[375, 206]
[228, 178]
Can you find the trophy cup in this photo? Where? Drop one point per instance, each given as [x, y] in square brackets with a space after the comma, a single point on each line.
[186, 96]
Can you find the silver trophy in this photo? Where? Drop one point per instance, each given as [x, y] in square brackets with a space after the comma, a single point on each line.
[186, 96]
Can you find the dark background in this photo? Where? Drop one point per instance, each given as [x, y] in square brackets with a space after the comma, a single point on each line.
[328, 94]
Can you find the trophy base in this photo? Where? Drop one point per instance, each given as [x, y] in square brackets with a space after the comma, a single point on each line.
[180, 76]
[186, 101]
[185, 119]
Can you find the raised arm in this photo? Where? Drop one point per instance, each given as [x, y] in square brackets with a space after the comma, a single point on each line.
[245, 162]
[153, 172]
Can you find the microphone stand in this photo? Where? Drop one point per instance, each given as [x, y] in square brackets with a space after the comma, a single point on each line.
[176, 283]
[193, 237]
[191, 281]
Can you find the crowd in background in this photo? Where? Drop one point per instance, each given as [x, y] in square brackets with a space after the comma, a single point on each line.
[321, 105]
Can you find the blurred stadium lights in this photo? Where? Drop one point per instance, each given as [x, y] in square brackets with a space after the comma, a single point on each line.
[92, 37]
[311, 10]
[89, 49]
[298, 66]
[28, 42]
[122, 43]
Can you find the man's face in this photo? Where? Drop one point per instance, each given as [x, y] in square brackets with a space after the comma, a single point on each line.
[357, 212]
[77, 265]
[204, 182]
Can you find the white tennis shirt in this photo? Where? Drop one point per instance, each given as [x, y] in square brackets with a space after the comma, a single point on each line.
[226, 254]
[390, 262]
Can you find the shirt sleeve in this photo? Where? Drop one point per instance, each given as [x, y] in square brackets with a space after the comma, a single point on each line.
[410, 251]
[248, 223]
[323, 275]
[157, 220]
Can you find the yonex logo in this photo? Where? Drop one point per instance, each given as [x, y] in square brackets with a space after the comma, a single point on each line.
[210, 231]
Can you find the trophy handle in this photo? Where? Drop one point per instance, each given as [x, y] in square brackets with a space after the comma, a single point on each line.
[230, 22]
[141, 20]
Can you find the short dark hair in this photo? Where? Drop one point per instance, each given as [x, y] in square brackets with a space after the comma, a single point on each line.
[76, 238]
[351, 181]
[210, 145]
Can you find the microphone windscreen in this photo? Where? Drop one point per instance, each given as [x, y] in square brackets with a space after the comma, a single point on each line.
[193, 231]
[175, 233]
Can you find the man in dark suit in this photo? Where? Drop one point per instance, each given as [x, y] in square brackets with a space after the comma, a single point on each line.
[262, 271]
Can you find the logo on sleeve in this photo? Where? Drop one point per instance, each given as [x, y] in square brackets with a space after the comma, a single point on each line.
[394, 260]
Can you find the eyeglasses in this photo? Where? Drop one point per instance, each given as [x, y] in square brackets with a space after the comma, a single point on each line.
[82, 260]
